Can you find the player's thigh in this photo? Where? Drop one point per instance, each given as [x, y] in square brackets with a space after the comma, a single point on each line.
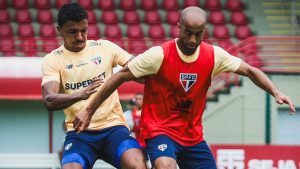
[162, 152]
[77, 151]
[118, 143]
[133, 158]
[196, 157]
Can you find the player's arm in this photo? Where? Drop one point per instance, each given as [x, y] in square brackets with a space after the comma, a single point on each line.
[54, 100]
[83, 119]
[145, 64]
[261, 80]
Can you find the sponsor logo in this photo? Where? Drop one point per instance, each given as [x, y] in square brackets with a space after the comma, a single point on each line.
[58, 52]
[92, 44]
[70, 66]
[231, 158]
[68, 146]
[81, 64]
[187, 80]
[78, 85]
[162, 147]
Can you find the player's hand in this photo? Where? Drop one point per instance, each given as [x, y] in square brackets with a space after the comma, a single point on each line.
[82, 121]
[283, 99]
[92, 88]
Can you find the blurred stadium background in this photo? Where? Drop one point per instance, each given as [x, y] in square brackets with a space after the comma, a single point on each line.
[243, 125]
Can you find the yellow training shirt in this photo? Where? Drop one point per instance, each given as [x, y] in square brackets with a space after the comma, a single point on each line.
[76, 70]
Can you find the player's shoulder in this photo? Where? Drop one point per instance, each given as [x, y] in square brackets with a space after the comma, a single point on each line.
[99, 42]
[94, 43]
[54, 53]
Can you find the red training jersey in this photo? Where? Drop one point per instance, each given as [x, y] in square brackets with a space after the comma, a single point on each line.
[175, 97]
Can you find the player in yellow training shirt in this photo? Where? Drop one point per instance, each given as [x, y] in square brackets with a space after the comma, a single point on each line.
[71, 74]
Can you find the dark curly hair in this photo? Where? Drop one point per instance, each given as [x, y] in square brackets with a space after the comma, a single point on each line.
[71, 12]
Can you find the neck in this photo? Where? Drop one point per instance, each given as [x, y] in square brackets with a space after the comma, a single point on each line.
[182, 49]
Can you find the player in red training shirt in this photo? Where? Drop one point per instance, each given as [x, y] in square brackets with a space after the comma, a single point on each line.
[177, 76]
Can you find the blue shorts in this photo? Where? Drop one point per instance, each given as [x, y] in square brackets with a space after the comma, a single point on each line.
[196, 157]
[107, 144]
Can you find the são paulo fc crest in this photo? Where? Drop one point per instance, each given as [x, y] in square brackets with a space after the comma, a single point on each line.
[162, 147]
[187, 80]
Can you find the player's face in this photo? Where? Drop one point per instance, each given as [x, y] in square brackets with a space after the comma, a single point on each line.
[139, 100]
[74, 35]
[190, 36]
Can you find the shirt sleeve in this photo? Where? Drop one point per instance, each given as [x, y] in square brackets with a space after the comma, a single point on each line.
[147, 63]
[121, 56]
[50, 69]
[224, 62]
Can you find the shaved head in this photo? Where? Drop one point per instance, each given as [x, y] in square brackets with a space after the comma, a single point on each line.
[193, 15]
[192, 26]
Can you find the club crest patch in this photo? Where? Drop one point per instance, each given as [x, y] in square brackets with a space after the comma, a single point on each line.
[97, 60]
[162, 147]
[187, 80]
[68, 146]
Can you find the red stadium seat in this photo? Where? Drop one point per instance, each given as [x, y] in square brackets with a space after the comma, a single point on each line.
[60, 3]
[128, 5]
[93, 31]
[131, 17]
[136, 46]
[23, 16]
[20, 4]
[221, 32]
[4, 16]
[156, 32]
[28, 46]
[152, 17]
[212, 5]
[6, 30]
[174, 31]
[25, 30]
[173, 17]
[170, 5]
[216, 18]
[135, 31]
[234, 5]
[49, 44]
[188, 3]
[3, 4]
[86, 4]
[136, 43]
[114, 34]
[149, 5]
[113, 31]
[47, 31]
[242, 32]
[106, 4]
[42, 4]
[92, 17]
[109, 17]
[44, 16]
[225, 43]
[7, 46]
[238, 18]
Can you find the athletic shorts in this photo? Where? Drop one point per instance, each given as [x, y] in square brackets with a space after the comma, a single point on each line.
[107, 144]
[196, 157]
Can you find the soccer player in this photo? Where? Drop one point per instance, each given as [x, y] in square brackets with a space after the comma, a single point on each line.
[178, 74]
[71, 74]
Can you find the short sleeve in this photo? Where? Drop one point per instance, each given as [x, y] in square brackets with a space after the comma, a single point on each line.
[224, 62]
[50, 69]
[147, 63]
[121, 56]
